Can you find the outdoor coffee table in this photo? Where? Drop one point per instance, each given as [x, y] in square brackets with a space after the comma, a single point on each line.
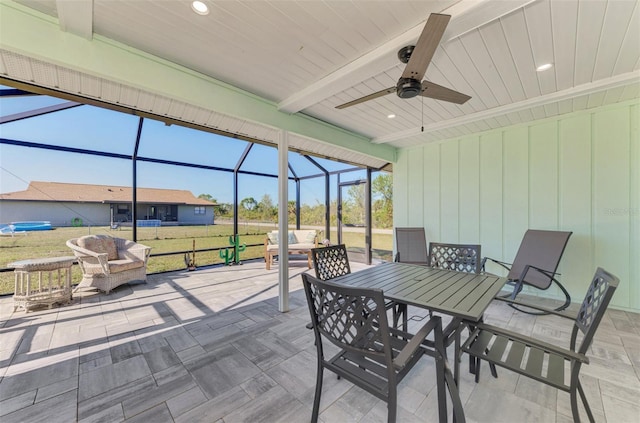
[42, 281]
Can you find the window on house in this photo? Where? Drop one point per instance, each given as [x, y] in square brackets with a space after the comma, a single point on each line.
[200, 210]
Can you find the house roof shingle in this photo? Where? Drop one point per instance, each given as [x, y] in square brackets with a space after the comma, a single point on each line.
[86, 193]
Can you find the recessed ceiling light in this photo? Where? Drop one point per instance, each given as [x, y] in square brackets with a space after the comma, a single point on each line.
[200, 8]
[544, 67]
[391, 116]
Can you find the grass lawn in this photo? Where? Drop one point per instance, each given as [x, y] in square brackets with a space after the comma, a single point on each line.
[164, 239]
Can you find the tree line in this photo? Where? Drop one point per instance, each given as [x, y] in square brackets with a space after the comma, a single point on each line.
[353, 212]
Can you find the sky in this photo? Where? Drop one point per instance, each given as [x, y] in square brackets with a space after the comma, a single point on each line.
[93, 128]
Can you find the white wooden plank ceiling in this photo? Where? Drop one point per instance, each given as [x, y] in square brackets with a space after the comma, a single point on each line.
[309, 56]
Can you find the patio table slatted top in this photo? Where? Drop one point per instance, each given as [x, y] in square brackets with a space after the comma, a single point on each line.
[457, 294]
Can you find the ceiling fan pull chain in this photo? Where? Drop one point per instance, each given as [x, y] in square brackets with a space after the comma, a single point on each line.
[422, 129]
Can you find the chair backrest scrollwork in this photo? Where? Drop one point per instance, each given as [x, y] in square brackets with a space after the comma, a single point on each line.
[350, 318]
[593, 307]
[330, 262]
[459, 257]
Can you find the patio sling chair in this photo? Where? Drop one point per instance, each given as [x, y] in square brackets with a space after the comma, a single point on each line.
[372, 355]
[544, 362]
[535, 264]
[411, 246]
[462, 258]
[333, 261]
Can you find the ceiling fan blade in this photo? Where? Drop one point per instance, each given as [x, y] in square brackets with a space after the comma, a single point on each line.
[367, 98]
[426, 46]
[431, 90]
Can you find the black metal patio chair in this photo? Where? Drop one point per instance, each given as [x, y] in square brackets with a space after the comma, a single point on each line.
[333, 261]
[536, 264]
[542, 361]
[371, 354]
[330, 262]
[462, 258]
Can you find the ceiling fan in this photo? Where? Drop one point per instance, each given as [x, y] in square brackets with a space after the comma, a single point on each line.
[417, 59]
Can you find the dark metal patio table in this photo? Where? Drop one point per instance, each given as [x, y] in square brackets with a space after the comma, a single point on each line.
[463, 296]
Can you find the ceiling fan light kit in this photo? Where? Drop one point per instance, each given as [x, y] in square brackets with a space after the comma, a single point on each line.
[417, 58]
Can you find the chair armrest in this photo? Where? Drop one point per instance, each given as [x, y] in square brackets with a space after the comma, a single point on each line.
[89, 257]
[564, 313]
[567, 353]
[501, 263]
[414, 344]
[267, 241]
[548, 273]
[80, 252]
[551, 275]
[140, 252]
[128, 249]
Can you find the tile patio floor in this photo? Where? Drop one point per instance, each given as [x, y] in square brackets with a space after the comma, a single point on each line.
[210, 346]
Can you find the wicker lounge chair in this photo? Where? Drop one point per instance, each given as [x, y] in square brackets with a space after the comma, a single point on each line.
[108, 262]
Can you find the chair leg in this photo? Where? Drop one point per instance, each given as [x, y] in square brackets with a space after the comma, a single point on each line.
[475, 362]
[404, 312]
[395, 315]
[456, 358]
[574, 405]
[494, 371]
[392, 404]
[474, 368]
[400, 310]
[316, 399]
[440, 356]
[454, 394]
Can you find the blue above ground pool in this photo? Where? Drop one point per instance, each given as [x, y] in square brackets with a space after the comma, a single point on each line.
[36, 225]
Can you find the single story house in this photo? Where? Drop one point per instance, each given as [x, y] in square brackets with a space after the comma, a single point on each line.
[65, 204]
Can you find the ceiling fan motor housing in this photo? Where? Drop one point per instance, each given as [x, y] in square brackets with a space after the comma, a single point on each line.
[408, 87]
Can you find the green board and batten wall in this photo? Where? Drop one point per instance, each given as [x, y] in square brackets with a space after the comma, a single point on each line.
[579, 172]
